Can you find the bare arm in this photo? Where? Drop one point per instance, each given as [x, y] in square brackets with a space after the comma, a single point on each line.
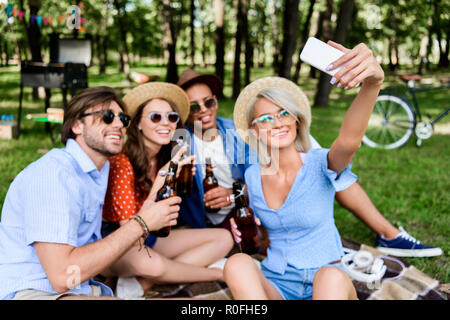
[360, 65]
[67, 266]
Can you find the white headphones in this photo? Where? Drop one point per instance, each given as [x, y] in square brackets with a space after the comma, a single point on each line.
[363, 267]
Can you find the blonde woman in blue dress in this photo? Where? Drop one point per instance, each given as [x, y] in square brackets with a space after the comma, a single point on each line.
[292, 188]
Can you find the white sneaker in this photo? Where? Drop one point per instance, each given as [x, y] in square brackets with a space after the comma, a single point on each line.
[129, 288]
[218, 264]
[221, 263]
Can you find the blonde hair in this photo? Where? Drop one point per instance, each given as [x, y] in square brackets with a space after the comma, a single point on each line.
[284, 100]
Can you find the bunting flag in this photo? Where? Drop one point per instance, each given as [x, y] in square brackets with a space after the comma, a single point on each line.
[14, 13]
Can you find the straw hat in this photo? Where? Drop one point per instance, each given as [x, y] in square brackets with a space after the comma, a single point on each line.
[161, 90]
[254, 88]
[189, 77]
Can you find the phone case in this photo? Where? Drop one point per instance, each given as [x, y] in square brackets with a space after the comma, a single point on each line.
[320, 55]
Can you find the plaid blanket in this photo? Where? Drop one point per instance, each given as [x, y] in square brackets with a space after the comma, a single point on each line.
[401, 281]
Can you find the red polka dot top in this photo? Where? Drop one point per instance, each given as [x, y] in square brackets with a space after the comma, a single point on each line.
[122, 200]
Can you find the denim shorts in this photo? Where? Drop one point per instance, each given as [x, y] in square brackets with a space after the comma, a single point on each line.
[109, 227]
[294, 284]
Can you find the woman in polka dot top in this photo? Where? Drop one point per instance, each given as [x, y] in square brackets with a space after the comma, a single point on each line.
[184, 254]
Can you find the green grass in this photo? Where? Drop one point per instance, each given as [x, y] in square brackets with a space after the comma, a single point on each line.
[410, 186]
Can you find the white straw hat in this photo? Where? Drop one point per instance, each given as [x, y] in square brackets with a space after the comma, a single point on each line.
[254, 88]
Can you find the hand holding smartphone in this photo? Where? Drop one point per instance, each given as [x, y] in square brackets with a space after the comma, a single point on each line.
[357, 61]
[320, 55]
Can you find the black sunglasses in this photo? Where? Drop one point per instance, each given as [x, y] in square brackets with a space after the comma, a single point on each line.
[156, 117]
[208, 103]
[109, 115]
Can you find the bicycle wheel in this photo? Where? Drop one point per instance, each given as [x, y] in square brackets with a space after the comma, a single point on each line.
[391, 124]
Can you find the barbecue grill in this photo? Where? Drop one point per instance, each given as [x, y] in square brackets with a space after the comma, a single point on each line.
[67, 70]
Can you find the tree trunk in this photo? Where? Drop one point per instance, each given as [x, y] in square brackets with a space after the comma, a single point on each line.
[122, 16]
[422, 53]
[443, 57]
[219, 37]
[5, 46]
[290, 26]
[104, 41]
[1, 54]
[447, 47]
[169, 41]
[323, 30]
[275, 40]
[237, 51]
[305, 33]
[248, 45]
[340, 34]
[33, 36]
[192, 38]
[204, 46]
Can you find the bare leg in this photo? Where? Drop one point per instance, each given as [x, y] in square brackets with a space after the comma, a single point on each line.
[330, 283]
[246, 280]
[355, 199]
[81, 297]
[159, 269]
[199, 247]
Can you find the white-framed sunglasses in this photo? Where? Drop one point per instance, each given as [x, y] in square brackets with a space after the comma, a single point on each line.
[266, 121]
[156, 117]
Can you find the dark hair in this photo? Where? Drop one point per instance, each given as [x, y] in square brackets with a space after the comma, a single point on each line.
[135, 150]
[84, 100]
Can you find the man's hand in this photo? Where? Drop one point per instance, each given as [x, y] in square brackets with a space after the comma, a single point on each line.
[160, 214]
[218, 197]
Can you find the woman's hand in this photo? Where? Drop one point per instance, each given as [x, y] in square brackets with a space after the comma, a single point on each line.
[159, 180]
[359, 65]
[235, 231]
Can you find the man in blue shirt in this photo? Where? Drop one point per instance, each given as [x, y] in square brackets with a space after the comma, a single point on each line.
[50, 241]
[204, 126]
[214, 137]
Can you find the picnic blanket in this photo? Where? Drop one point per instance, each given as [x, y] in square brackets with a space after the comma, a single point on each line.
[401, 281]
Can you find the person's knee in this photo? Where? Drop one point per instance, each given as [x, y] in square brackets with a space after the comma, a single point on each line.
[236, 266]
[332, 277]
[225, 239]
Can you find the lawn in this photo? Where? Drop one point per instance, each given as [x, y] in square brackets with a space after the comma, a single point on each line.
[410, 186]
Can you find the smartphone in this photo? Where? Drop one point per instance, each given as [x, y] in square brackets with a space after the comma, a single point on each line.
[320, 55]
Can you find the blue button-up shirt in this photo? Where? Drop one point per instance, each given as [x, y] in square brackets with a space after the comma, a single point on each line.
[57, 199]
[239, 157]
[302, 232]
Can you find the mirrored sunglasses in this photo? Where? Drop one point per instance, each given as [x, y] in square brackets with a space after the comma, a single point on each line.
[208, 103]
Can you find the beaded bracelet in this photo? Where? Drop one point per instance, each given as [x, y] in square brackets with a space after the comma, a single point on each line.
[143, 225]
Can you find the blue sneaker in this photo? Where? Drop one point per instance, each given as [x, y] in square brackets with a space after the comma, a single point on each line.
[405, 245]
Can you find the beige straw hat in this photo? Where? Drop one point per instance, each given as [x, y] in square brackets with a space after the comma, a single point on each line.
[254, 88]
[161, 90]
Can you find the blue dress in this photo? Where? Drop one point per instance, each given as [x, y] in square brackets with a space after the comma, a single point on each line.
[302, 232]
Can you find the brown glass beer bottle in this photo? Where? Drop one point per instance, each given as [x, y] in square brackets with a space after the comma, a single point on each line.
[210, 182]
[185, 179]
[245, 220]
[168, 190]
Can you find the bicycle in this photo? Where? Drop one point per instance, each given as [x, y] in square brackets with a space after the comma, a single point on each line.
[395, 119]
